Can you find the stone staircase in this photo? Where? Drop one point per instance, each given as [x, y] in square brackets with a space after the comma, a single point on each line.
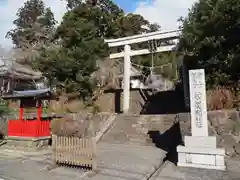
[129, 129]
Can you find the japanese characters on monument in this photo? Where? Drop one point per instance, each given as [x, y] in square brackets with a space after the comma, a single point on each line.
[200, 150]
[198, 103]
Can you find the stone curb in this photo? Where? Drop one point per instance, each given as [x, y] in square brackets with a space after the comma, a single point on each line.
[106, 126]
[155, 169]
[153, 172]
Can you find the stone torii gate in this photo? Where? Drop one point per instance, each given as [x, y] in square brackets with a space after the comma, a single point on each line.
[127, 53]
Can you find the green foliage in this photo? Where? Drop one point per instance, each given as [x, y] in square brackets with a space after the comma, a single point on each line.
[68, 56]
[4, 109]
[165, 64]
[72, 63]
[211, 37]
[81, 43]
[92, 107]
[34, 24]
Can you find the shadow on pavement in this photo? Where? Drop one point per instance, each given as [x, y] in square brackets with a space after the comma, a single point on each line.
[168, 141]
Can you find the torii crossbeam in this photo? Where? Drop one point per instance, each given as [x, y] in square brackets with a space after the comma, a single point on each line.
[127, 53]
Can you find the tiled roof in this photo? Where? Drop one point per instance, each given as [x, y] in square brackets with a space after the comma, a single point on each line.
[28, 93]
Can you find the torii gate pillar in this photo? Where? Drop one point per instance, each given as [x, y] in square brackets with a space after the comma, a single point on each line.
[126, 79]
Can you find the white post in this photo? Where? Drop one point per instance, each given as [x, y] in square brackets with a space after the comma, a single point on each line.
[126, 82]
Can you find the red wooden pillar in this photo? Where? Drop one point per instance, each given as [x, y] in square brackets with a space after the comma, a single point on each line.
[39, 110]
[20, 129]
[21, 111]
[39, 123]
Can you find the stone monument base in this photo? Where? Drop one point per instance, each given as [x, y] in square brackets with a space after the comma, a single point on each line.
[201, 152]
[27, 142]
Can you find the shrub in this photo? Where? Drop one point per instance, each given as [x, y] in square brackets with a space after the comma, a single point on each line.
[4, 109]
[220, 98]
[72, 128]
[3, 127]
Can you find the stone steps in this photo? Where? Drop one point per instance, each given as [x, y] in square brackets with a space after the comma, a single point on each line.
[128, 130]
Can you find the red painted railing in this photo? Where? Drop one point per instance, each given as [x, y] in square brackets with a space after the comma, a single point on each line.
[28, 128]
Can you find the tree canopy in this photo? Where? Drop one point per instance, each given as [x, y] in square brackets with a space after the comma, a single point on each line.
[211, 38]
[34, 24]
[34, 29]
[79, 41]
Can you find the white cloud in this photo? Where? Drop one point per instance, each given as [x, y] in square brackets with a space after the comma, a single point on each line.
[9, 10]
[165, 12]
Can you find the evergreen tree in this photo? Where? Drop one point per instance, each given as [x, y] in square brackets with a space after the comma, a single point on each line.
[211, 37]
[34, 25]
[81, 37]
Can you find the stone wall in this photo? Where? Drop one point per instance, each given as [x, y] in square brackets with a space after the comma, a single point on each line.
[110, 101]
[224, 124]
[113, 102]
[99, 120]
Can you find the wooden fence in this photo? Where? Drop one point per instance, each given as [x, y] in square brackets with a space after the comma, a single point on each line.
[74, 151]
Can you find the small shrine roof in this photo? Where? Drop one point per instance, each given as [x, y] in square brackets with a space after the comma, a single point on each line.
[39, 93]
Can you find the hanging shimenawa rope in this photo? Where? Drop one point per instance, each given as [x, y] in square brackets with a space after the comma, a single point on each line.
[152, 46]
[147, 67]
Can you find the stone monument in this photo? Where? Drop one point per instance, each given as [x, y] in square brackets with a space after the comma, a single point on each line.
[200, 150]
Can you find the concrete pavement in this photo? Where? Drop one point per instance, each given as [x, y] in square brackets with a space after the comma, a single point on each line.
[115, 162]
[127, 162]
[171, 172]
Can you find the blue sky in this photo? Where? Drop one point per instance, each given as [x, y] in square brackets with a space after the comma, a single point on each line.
[163, 12]
[129, 5]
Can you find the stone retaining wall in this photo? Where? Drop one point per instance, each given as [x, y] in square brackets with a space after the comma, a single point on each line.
[224, 124]
[98, 121]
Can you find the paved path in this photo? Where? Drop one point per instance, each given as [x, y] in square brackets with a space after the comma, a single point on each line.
[18, 166]
[127, 162]
[116, 162]
[170, 172]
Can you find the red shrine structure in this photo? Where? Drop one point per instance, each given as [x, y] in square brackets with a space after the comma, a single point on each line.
[36, 126]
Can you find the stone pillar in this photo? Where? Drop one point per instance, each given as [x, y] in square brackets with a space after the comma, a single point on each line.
[198, 104]
[200, 150]
[126, 81]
